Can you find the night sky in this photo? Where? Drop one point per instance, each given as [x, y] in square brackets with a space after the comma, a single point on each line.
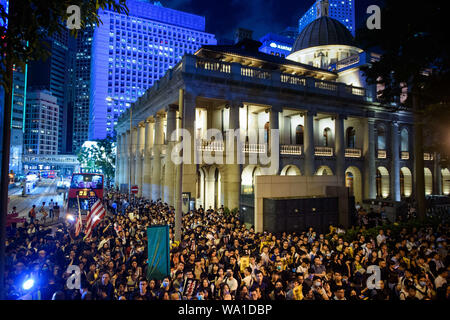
[223, 17]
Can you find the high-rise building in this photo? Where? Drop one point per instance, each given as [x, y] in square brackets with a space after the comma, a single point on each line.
[18, 119]
[41, 123]
[279, 44]
[341, 10]
[55, 75]
[130, 53]
[81, 87]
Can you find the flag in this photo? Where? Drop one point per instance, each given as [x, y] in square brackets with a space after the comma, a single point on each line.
[96, 213]
[79, 223]
[158, 252]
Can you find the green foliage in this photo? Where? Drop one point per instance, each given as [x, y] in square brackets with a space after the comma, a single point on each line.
[234, 211]
[351, 234]
[100, 157]
[414, 49]
[31, 22]
[226, 211]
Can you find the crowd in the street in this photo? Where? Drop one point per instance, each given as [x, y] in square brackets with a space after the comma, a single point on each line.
[219, 258]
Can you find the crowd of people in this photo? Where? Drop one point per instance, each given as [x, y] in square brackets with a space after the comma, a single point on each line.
[219, 258]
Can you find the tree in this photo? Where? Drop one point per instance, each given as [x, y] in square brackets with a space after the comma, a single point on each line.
[99, 157]
[415, 57]
[23, 31]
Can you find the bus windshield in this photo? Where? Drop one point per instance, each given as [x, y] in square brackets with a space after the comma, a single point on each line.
[93, 181]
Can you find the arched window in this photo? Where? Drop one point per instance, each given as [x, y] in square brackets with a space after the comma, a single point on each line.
[404, 140]
[326, 137]
[381, 139]
[299, 135]
[351, 137]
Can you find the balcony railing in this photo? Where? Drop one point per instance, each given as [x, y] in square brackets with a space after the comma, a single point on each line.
[213, 65]
[326, 85]
[291, 149]
[323, 151]
[254, 148]
[382, 154]
[255, 73]
[428, 156]
[292, 79]
[404, 155]
[347, 62]
[208, 145]
[353, 153]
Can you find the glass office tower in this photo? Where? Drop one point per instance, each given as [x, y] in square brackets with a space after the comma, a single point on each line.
[341, 10]
[130, 53]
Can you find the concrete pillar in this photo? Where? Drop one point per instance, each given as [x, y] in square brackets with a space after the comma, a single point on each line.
[124, 159]
[170, 172]
[139, 154]
[395, 162]
[189, 178]
[147, 174]
[128, 159]
[339, 148]
[231, 175]
[133, 155]
[156, 167]
[309, 148]
[370, 169]
[118, 160]
[437, 174]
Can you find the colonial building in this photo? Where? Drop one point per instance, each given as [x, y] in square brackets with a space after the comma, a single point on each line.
[328, 118]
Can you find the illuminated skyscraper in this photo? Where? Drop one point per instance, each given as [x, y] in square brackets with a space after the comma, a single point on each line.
[341, 10]
[130, 53]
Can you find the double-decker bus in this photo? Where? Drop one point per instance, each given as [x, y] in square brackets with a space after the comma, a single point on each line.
[83, 185]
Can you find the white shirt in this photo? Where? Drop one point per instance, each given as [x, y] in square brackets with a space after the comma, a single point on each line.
[439, 281]
[380, 239]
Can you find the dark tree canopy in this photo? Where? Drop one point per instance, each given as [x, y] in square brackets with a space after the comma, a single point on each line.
[415, 53]
[30, 22]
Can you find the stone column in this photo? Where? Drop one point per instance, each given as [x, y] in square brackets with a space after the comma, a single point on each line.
[340, 148]
[170, 173]
[147, 174]
[309, 148]
[139, 154]
[189, 178]
[437, 174]
[124, 166]
[133, 156]
[118, 160]
[128, 159]
[370, 170]
[156, 167]
[231, 176]
[395, 162]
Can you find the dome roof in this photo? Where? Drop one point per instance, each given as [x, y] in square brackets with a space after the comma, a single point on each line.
[321, 32]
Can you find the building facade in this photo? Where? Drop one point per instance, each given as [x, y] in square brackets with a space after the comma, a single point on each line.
[41, 124]
[328, 123]
[81, 87]
[276, 44]
[341, 10]
[55, 74]
[130, 53]
[18, 109]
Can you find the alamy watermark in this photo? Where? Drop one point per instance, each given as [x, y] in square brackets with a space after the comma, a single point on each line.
[74, 17]
[374, 21]
[261, 147]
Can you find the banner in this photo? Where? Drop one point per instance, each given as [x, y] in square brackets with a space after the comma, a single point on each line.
[158, 252]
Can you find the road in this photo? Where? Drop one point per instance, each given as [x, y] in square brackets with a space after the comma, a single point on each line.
[44, 191]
